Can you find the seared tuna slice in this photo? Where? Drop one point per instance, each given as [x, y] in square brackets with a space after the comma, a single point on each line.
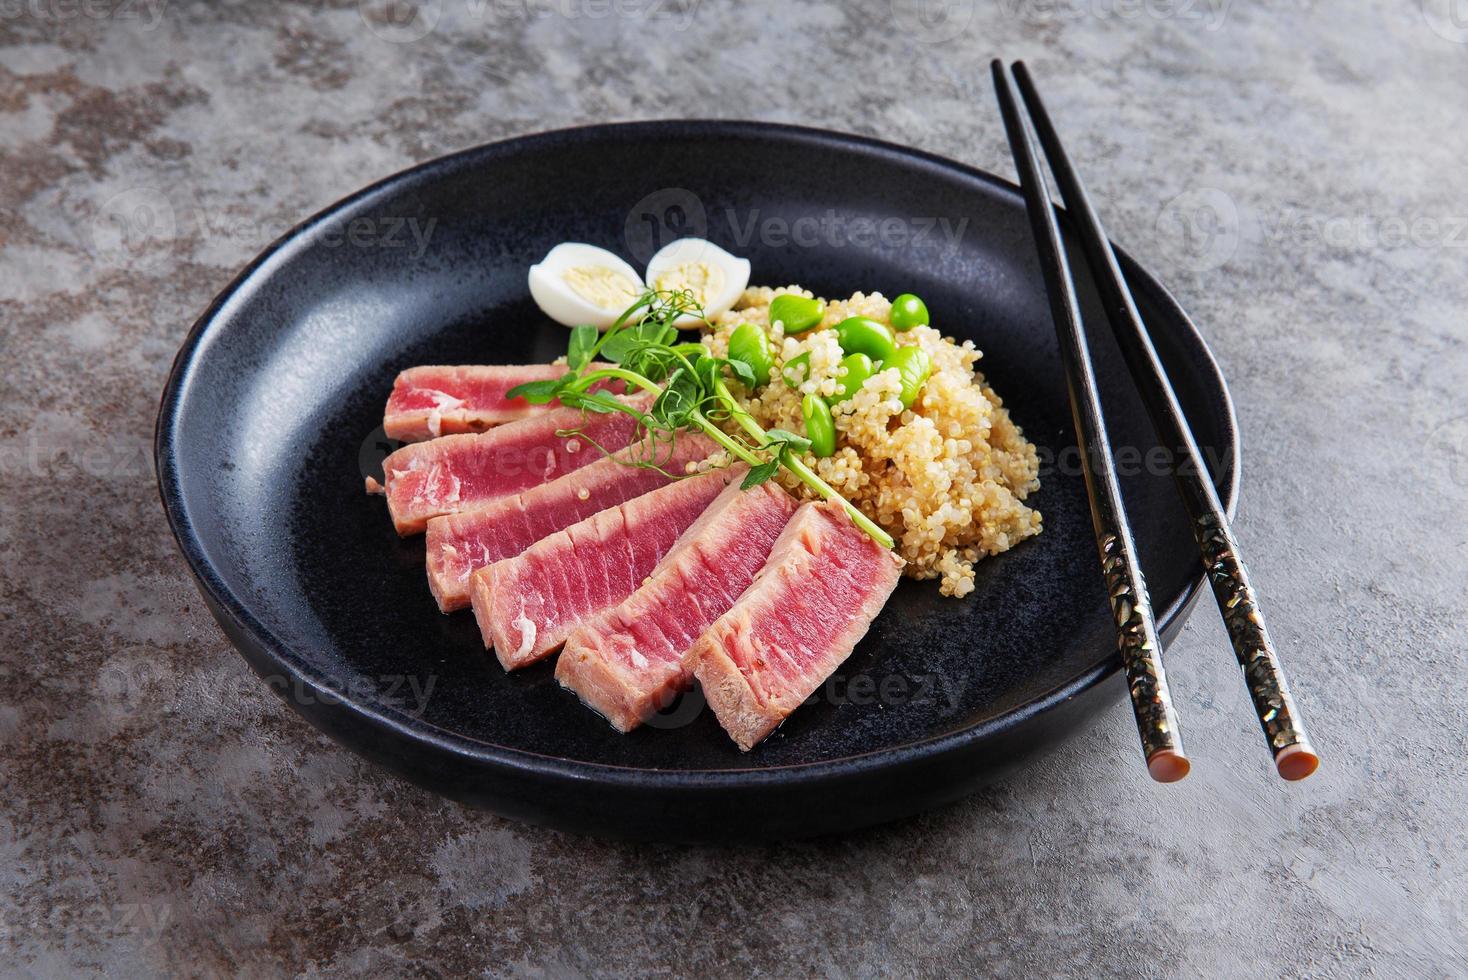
[433, 400]
[627, 663]
[460, 543]
[456, 473]
[529, 604]
[823, 584]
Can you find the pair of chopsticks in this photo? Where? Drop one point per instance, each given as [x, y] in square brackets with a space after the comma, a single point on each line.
[1141, 649]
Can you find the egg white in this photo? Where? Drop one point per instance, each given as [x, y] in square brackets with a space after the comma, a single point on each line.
[555, 297]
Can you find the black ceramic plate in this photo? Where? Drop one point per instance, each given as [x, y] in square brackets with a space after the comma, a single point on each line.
[272, 413]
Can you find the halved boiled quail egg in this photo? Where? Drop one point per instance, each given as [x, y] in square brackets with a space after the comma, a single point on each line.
[579, 284]
[714, 277]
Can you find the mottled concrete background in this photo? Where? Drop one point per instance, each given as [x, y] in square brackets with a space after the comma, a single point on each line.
[1294, 173]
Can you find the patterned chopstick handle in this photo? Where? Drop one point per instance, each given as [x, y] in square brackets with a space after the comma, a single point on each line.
[1141, 651]
[1252, 645]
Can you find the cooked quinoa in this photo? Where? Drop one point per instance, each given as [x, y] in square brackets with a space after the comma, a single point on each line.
[947, 478]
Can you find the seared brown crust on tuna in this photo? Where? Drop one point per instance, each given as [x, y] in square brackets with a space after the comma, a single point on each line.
[460, 472]
[528, 605]
[458, 544]
[824, 583]
[439, 400]
[626, 664]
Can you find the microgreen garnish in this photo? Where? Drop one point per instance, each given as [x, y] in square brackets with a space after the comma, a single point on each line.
[642, 350]
[583, 343]
[759, 474]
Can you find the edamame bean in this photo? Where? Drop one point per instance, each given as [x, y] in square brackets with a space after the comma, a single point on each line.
[913, 366]
[749, 344]
[820, 428]
[863, 335]
[908, 311]
[858, 367]
[798, 313]
[796, 370]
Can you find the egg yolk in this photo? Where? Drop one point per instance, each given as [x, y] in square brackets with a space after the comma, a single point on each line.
[700, 278]
[600, 286]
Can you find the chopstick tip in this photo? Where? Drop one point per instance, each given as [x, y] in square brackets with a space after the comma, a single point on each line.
[1295, 762]
[1168, 765]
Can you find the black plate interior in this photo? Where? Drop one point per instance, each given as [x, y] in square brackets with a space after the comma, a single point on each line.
[273, 413]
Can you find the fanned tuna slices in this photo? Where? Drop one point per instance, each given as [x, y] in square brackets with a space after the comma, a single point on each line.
[527, 605]
[824, 583]
[456, 473]
[627, 663]
[458, 544]
[440, 400]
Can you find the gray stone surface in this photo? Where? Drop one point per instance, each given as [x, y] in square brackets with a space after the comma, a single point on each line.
[1293, 172]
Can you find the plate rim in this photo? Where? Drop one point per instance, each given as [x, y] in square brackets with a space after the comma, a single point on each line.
[528, 762]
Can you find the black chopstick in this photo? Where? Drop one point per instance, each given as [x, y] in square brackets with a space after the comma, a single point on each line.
[1136, 631]
[1293, 756]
